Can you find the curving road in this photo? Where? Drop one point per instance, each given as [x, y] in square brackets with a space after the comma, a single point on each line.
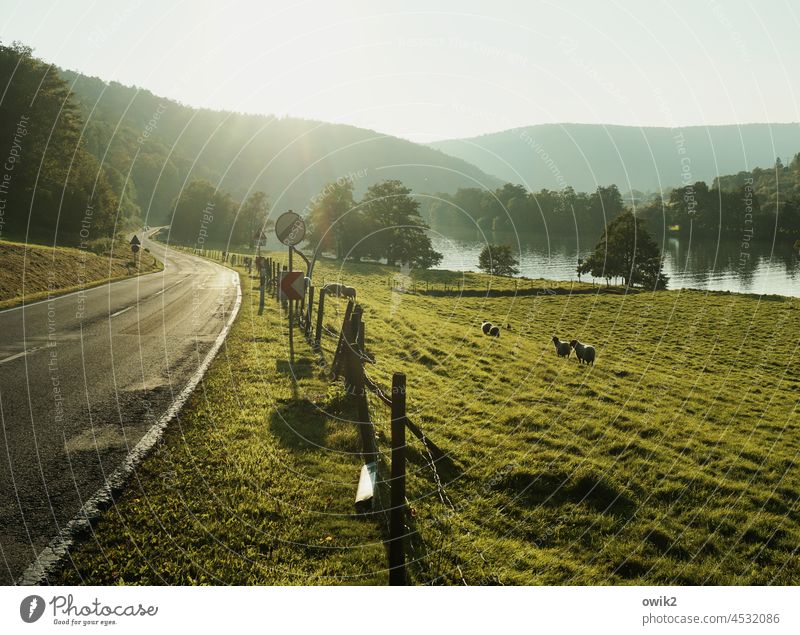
[83, 377]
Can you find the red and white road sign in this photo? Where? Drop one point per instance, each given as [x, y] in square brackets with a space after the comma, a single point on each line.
[292, 285]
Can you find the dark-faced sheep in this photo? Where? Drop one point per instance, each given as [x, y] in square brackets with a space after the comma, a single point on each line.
[562, 348]
[486, 327]
[584, 352]
[340, 290]
[494, 331]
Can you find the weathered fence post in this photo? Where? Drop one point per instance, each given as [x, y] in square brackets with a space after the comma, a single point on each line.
[354, 379]
[320, 312]
[397, 529]
[337, 356]
[263, 287]
[310, 309]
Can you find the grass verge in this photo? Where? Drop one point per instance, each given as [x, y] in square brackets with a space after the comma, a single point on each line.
[34, 272]
[673, 460]
[253, 484]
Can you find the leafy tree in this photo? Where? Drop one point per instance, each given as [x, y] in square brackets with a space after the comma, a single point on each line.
[498, 260]
[252, 218]
[335, 223]
[393, 227]
[626, 250]
[202, 213]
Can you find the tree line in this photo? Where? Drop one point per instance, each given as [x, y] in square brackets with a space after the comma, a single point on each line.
[762, 202]
[203, 213]
[51, 187]
[766, 200]
[513, 208]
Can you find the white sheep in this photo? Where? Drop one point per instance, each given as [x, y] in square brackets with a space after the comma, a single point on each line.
[562, 348]
[584, 352]
[486, 327]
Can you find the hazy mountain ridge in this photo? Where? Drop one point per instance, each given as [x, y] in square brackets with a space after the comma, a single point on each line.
[584, 156]
[291, 159]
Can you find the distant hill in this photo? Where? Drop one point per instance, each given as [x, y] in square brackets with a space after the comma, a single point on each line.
[584, 156]
[290, 159]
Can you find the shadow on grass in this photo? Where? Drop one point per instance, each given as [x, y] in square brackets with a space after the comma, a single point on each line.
[299, 425]
[302, 367]
[555, 489]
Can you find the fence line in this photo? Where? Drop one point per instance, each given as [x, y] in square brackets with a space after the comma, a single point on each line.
[348, 363]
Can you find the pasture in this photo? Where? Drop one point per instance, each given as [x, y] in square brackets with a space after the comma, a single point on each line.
[672, 460]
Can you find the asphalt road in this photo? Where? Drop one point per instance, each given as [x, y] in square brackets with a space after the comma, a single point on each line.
[83, 377]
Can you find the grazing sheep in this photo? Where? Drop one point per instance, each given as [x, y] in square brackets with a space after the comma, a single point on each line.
[340, 290]
[486, 327]
[562, 348]
[494, 331]
[584, 352]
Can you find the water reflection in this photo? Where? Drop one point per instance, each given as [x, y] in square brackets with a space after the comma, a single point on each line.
[698, 264]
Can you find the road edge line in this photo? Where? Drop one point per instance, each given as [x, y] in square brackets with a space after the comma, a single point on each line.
[51, 556]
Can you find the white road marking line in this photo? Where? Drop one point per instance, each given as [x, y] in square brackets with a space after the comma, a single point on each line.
[13, 357]
[168, 288]
[121, 311]
[18, 355]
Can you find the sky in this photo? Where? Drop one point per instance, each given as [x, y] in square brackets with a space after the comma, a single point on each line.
[434, 69]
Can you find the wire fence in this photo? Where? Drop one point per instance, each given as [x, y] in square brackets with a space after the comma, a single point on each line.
[419, 548]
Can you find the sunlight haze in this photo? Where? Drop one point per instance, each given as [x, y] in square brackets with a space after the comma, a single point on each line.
[462, 69]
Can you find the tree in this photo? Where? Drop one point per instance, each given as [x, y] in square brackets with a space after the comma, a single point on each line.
[252, 218]
[55, 189]
[394, 229]
[627, 250]
[201, 213]
[498, 260]
[335, 223]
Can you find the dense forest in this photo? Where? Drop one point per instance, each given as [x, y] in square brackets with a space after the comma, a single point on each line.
[512, 207]
[52, 188]
[758, 205]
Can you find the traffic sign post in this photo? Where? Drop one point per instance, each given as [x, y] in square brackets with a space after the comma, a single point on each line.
[135, 245]
[290, 230]
[292, 285]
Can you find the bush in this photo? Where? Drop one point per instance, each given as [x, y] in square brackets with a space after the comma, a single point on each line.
[100, 246]
[498, 260]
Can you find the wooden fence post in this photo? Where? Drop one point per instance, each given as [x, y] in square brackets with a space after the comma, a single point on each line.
[354, 380]
[320, 312]
[262, 289]
[361, 346]
[337, 356]
[310, 309]
[397, 529]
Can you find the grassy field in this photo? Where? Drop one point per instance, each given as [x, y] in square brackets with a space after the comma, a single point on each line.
[672, 460]
[31, 272]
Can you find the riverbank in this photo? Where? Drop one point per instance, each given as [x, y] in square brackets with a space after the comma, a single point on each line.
[33, 272]
[672, 460]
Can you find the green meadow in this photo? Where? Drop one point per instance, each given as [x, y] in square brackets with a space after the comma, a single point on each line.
[672, 460]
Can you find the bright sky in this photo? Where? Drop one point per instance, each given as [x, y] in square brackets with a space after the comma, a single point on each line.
[436, 69]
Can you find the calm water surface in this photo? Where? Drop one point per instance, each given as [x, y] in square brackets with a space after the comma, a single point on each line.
[707, 264]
